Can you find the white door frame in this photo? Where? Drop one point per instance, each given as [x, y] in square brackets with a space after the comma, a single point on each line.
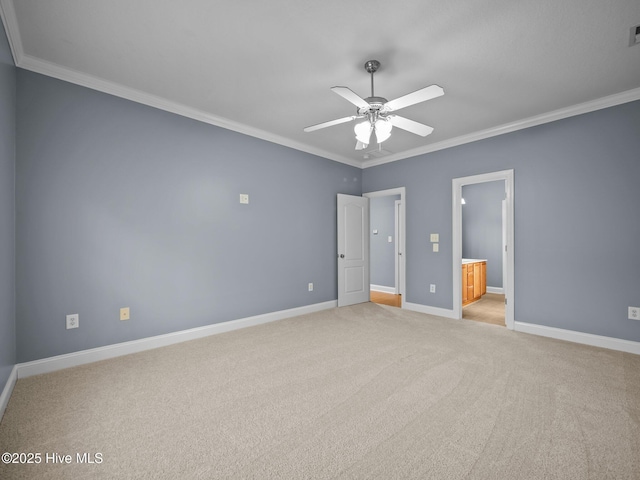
[504, 243]
[508, 282]
[403, 235]
[398, 252]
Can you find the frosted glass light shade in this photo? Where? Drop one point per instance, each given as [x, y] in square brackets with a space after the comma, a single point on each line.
[383, 130]
[363, 131]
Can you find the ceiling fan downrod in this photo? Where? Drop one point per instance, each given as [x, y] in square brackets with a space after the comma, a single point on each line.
[375, 103]
[372, 66]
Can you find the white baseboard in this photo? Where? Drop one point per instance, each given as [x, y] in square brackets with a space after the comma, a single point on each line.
[74, 359]
[498, 290]
[611, 343]
[579, 337]
[382, 288]
[8, 389]
[440, 312]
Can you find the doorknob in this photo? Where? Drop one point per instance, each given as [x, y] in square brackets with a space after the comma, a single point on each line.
[342, 255]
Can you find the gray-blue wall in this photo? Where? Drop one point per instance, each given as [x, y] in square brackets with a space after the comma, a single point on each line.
[119, 205]
[382, 218]
[482, 226]
[7, 210]
[577, 226]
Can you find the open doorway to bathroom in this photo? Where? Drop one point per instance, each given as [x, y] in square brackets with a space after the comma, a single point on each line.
[463, 293]
[483, 252]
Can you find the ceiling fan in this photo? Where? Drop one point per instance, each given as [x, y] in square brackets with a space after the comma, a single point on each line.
[378, 112]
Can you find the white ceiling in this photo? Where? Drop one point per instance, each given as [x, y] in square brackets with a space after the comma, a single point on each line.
[265, 67]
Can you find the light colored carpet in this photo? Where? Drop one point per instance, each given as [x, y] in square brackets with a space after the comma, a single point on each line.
[359, 392]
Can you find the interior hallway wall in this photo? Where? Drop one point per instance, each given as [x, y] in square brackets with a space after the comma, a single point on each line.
[382, 218]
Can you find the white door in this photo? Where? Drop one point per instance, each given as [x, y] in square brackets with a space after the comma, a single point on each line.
[353, 250]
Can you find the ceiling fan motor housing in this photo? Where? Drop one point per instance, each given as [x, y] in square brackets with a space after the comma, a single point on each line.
[375, 104]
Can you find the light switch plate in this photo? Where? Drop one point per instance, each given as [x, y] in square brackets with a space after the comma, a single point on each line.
[125, 314]
[435, 237]
[390, 239]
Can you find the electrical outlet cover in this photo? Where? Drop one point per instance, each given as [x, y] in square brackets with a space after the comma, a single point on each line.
[73, 321]
[634, 313]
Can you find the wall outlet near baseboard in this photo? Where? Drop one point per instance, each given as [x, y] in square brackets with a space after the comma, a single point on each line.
[125, 314]
[73, 321]
[311, 287]
[432, 288]
[634, 313]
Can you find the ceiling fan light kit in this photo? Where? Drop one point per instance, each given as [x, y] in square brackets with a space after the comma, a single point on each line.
[363, 131]
[377, 112]
[383, 129]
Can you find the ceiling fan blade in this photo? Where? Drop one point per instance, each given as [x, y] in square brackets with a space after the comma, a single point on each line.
[330, 123]
[410, 126]
[351, 96]
[422, 95]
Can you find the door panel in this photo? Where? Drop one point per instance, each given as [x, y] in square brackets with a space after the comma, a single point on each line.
[354, 226]
[354, 279]
[353, 250]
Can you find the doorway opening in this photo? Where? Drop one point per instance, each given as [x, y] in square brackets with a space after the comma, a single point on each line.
[483, 252]
[387, 246]
[483, 269]
[383, 298]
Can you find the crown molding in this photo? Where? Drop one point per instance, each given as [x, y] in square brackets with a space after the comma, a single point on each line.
[9, 20]
[36, 65]
[27, 62]
[579, 109]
